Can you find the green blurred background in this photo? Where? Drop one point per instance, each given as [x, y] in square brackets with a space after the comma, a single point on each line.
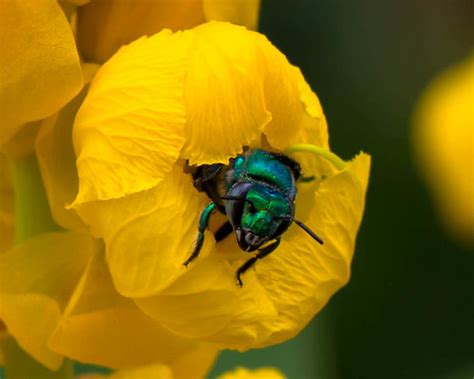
[408, 310]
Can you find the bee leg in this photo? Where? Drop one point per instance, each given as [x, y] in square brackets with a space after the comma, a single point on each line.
[223, 231]
[203, 224]
[262, 253]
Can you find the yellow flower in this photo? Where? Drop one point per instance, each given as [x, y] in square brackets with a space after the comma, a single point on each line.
[40, 65]
[105, 25]
[165, 372]
[443, 141]
[201, 95]
[260, 373]
[56, 304]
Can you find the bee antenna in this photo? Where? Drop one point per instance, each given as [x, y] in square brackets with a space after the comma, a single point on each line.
[305, 228]
[309, 231]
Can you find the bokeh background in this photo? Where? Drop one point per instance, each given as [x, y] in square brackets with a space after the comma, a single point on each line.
[408, 310]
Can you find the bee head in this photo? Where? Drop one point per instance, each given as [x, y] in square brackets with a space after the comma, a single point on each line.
[260, 213]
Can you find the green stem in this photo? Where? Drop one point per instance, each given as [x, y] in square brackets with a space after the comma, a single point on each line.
[32, 214]
[317, 150]
[32, 217]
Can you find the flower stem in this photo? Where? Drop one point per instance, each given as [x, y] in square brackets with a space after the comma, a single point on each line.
[32, 214]
[317, 150]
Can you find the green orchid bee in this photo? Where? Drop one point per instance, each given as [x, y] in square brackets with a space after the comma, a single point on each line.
[257, 193]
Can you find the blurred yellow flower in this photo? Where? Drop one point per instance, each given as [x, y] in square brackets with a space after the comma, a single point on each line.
[201, 95]
[166, 372]
[103, 26]
[443, 140]
[260, 373]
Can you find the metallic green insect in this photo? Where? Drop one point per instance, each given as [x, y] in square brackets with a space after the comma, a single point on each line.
[256, 191]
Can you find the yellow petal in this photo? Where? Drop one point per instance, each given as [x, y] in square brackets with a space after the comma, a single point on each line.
[301, 275]
[6, 205]
[130, 128]
[297, 116]
[200, 303]
[22, 144]
[194, 364]
[252, 320]
[151, 371]
[240, 12]
[444, 144]
[31, 318]
[78, 2]
[57, 161]
[37, 279]
[191, 365]
[104, 328]
[239, 85]
[259, 373]
[106, 25]
[40, 64]
[224, 95]
[149, 234]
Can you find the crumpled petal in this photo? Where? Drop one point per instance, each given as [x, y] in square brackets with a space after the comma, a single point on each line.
[7, 216]
[297, 116]
[239, 85]
[239, 12]
[40, 64]
[199, 303]
[149, 234]
[259, 373]
[37, 278]
[224, 94]
[102, 327]
[444, 143]
[57, 161]
[130, 129]
[301, 275]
